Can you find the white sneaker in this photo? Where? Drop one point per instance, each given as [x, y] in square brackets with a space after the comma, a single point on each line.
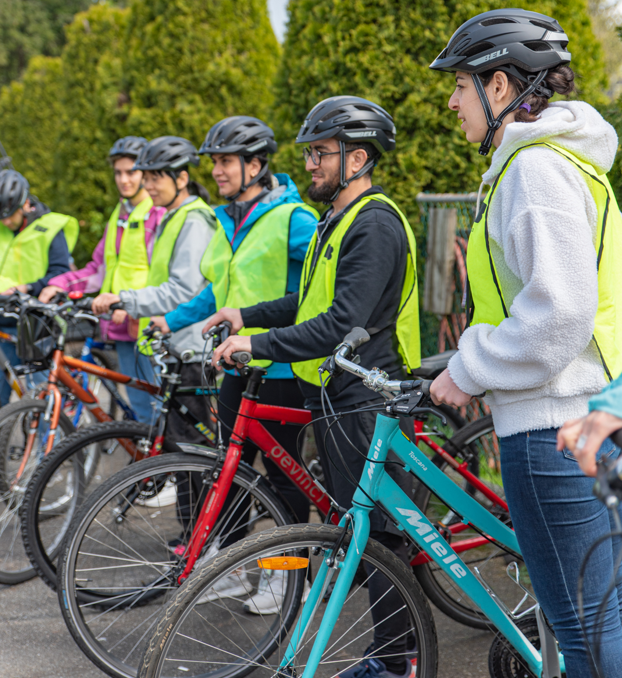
[270, 593]
[211, 552]
[167, 496]
[233, 585]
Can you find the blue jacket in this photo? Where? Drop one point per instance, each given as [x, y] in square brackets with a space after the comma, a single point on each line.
[609, 399]
[302, 227]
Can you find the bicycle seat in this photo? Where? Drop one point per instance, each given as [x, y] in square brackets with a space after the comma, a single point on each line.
[432, 366]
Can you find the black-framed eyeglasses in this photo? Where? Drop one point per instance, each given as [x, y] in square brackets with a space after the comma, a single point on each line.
[316, 156]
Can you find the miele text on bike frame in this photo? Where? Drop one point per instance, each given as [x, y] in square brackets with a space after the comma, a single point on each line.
[297, 474]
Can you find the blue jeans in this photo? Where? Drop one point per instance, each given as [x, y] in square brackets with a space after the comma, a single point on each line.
[133, 363]
[557, 519]
[11, 353]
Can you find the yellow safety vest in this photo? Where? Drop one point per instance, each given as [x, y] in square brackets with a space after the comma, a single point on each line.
[317, 290]
[488, 302]
[257, 270]
[24, 256]
[130, 268]
[163, 250]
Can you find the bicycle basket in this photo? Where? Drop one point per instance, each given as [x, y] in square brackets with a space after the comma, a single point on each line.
[36, 337]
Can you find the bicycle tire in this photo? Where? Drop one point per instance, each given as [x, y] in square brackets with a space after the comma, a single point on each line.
[41, 556]
[312, 540]
[11, 496]
[439, 589]
[142, 584]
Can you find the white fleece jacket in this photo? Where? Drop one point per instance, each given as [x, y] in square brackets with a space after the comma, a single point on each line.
[540, 366]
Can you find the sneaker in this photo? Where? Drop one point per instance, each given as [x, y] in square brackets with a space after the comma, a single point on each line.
[371, 667]
[167, 496]
[233, 585]
[270, 593]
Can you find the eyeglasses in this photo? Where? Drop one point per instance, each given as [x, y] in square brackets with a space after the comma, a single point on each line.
[316, 156]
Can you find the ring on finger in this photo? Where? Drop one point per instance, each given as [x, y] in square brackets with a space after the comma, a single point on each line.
[581, 442]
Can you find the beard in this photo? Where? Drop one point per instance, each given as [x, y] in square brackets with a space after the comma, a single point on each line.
[325, 191]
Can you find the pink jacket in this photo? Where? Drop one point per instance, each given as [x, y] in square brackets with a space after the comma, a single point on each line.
[90, 278]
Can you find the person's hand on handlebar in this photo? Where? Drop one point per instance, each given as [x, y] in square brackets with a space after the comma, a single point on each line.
[49, 292]
[18, 288]
[119, 316]
[102, 302]
[160, 323]
[231, 345]
[233, 315]
[583, 437]
[444, 391]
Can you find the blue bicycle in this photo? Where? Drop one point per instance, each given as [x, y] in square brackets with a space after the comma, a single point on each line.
[340, 598]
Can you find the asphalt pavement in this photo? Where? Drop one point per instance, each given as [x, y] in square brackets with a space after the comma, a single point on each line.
[34, 642]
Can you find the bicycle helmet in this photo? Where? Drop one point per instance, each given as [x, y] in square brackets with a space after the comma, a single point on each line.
[243, 136]
[166, 153]
[14, 190]
[519, 42]
[127, 147]
[169, 155]
[349, 119]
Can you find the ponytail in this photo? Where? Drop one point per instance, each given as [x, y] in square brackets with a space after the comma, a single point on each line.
[195, 188]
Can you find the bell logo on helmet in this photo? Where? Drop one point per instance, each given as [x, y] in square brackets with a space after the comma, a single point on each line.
[358, 135]
[489, 57]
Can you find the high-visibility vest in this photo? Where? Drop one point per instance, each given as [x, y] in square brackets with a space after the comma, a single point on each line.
[163, 250]
[488, 303]
[257, 270]
[317, 290]
[127, 270]
[24, 256]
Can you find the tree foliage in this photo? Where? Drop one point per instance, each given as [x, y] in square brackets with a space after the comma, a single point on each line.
[32, 27]
[190, 63]
[161, 67]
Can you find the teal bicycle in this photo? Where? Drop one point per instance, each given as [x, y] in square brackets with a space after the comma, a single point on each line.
[340, 598]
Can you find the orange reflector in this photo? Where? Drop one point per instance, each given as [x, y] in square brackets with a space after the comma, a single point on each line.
[292, 563]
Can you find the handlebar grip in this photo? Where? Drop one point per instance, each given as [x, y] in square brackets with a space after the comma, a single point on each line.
[117, 306]
[86, 303]
[425, 386]
[243, 357]
[616, 437]
[356, 337]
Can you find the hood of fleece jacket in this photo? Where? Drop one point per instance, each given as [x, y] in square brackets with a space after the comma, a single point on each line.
[573, 125]
[285, 192]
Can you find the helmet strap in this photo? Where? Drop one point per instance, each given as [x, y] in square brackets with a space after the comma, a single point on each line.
[243, 186]
[343, 182]
[173, 175]
[495, 123]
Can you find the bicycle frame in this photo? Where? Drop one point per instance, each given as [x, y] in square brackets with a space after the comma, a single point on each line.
[379, 486]
[247, 427]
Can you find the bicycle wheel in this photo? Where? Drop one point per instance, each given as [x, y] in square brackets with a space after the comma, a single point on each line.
[63, 479]
[124, 550]
[203, 634]
[23, 438]
[474, 444]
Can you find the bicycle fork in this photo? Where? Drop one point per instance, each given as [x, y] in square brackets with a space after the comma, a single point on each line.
[334, 561]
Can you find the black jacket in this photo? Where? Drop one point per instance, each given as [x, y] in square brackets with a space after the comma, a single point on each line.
[368, 286]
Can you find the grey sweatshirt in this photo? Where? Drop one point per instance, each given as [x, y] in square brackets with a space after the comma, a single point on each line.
[185, 279]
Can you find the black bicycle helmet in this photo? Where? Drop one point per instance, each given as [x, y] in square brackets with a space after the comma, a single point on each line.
[166, 153]
[349, 119]
[243, 136]
[127, 147]
[522, 43]
[14, 190]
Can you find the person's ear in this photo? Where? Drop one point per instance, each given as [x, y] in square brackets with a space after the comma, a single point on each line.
[500, 85]
[182, 180]
[359, 159]
[26, 207]
[254, 167]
